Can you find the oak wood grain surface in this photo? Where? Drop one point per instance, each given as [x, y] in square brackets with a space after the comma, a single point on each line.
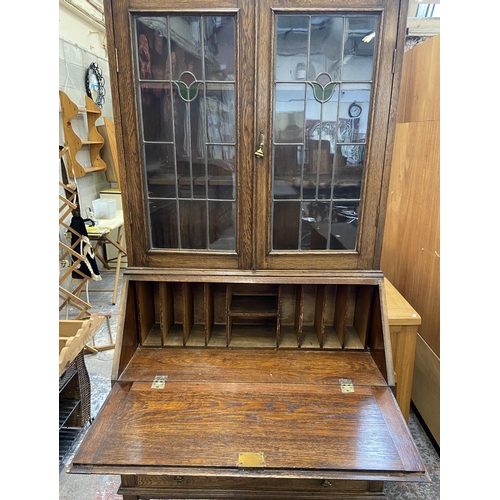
[287, 405]
[253, 366]
[196, 424]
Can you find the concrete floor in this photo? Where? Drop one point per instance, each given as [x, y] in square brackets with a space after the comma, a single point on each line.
[93, 487]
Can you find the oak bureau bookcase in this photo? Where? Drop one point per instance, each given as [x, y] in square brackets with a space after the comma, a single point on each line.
[253, 355]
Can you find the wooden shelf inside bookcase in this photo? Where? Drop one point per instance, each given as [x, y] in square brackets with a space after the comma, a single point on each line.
[197, 180]
[253, 306]
[253, 315]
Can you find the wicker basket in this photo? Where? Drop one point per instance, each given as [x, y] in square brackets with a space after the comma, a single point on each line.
[74, 385]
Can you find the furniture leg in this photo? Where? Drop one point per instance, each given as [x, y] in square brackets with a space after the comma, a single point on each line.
[128, 481]
[403, 325]
[100, 251]
[118, 264]
[98, 255]
[404, 341]
[107, 347]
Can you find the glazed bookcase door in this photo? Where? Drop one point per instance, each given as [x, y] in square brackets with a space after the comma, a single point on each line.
[256, 134]
[182, 77]
[324, 113]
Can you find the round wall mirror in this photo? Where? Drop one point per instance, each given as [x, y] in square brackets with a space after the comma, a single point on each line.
[94, 83]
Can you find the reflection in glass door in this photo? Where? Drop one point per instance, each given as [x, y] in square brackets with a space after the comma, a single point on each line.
[323, 78]
[186, 82]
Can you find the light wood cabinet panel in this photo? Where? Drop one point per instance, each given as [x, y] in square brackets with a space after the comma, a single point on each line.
[411, 252]
[421, 100]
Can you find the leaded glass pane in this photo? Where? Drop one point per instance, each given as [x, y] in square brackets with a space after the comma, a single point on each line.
[222, 225]
[193, 217]
[291, 47]
[286, 224]
[359, 48]
[220, 60]
[186, 67]
[287, 171]
[349, 172]
[221, 172]
[186, 47]
[220, 106]
[289, 113]
[326, 34]
[160, 170]
[164, 223]
[327, 227]
[320, 128]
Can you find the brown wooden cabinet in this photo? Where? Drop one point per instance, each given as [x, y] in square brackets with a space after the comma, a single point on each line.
[253, 356]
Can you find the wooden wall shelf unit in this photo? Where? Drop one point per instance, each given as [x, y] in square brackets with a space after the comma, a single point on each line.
[95, 141]
[253, 353]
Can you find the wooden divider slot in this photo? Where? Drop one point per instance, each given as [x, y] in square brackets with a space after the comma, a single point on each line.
[215, 314]
[363, 312]
[288, 316]
[375, 340]
[229, 317]
[187, 311]
[166, 310]
[175, 337]
[208, 303]
[309, 337]
[278, 316]
[299, 313]
[319, 315]
[331, 338]
[341, 312]
[149, 332]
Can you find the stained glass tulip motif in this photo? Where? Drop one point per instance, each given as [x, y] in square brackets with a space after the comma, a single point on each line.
[188, 86]
[323, 87]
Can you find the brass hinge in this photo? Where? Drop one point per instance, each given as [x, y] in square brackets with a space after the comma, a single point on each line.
[159, 382]
[116, 59]
[346, 385]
